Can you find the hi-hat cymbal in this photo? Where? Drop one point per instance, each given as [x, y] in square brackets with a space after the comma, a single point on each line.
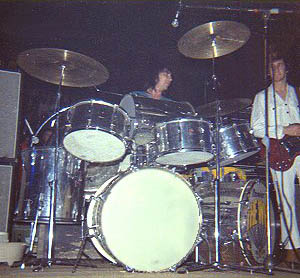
[225, 107]
[54, 65]
[213, 39]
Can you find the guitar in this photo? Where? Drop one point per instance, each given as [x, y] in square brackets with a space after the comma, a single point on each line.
[282, 152]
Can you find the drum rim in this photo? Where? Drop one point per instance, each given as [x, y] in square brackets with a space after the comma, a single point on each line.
[233, 125]
[101, 102]
[240, 227]
[185, 119]
[176, 151]
[249, 153]
[114, 180]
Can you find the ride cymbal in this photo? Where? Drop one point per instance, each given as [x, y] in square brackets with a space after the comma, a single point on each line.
[225, 107]
[58, 65]
[213, 39]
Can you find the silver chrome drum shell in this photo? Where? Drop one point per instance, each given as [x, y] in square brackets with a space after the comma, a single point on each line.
[236, 143]
[97, 131]
[243, 215]
[252, 223]
[184, 142]
[146, 220]
[38, 168]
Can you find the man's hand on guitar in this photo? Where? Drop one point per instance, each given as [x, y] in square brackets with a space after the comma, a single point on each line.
[292, 130]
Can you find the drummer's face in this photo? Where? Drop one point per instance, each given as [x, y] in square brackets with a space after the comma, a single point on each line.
[164, 80]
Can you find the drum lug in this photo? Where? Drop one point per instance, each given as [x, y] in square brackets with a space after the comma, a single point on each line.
[95, 232]
[129, 269]
[198, 198]
[173, 268]
[102, 197]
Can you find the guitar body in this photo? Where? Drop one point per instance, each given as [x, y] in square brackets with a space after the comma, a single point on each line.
[282, 152]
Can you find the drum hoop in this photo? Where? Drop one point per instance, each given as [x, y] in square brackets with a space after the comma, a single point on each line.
[182, 120]
[233, 125]
[101, 102]
[93, 227]
[245, 191]
[173, 151]
[108, 185]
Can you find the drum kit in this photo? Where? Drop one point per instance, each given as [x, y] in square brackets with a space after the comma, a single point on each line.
[122, 160]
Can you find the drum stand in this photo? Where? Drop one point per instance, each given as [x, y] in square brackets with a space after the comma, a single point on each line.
[84, 237]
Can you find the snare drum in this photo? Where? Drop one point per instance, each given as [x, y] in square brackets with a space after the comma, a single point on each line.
[146, 220]
[184, 142]
[236, 143]
[97, 131]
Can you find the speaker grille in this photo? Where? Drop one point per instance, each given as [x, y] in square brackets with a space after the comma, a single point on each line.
[5, 189]
[9, 112]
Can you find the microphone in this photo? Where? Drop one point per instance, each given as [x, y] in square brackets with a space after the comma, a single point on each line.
[175, 21]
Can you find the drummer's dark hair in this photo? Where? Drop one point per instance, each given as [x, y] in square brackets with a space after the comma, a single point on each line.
[153, 77]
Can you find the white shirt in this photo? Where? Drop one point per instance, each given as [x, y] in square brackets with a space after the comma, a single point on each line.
[287, 112]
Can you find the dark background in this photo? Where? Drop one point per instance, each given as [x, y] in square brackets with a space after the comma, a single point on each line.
[130, 37]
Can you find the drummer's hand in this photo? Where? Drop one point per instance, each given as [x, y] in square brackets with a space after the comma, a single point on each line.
[292, 130]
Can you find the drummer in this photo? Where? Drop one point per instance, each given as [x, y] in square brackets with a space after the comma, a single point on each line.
[157, 85]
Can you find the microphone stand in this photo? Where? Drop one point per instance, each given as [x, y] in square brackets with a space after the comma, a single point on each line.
[269, 264]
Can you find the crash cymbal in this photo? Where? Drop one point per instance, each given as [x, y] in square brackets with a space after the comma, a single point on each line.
[213, 39]
[225, 107]
[52, 65]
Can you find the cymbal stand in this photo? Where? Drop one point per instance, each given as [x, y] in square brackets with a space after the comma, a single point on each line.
[54, 183]
[217, 180]
[217, 228]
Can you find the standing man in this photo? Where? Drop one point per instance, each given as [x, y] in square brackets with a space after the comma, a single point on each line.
[283, 122]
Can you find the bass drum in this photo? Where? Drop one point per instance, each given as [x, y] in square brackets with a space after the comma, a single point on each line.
[38, 166]
[252, 223]
[242, 214]
[145, 220]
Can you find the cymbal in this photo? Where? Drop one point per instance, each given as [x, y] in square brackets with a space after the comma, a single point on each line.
[213, 39]
[225, 107]
[54, 65]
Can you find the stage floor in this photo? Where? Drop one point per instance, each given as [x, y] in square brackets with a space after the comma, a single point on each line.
[105, 269]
